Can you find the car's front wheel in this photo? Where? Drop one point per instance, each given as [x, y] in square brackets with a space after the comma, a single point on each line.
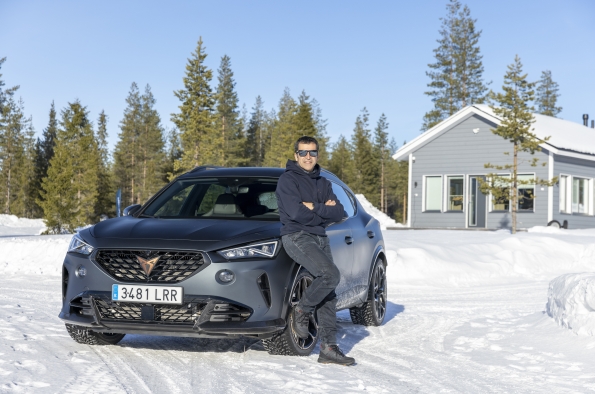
[89, 337]
[373, 311]
[287, 343]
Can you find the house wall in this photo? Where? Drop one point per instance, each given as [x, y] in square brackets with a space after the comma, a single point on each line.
[460, 151]
[574, 167]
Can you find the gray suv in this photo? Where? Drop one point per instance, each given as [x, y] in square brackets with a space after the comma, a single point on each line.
[203, 258]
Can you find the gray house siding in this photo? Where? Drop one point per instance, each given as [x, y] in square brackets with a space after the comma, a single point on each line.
[458, 151]
[574, 167]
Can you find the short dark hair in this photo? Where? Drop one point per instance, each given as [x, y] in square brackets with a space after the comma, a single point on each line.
[305, 140]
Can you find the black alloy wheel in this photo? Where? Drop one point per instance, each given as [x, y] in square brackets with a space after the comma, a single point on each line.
[373, 311]
[287, 343]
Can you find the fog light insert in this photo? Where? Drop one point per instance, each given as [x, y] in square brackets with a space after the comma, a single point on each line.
[81, 271]
[225, 276]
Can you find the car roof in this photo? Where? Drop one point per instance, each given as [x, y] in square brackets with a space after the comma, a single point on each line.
[272, 172]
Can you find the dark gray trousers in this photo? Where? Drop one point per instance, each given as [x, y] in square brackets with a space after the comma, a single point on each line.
[313, 252]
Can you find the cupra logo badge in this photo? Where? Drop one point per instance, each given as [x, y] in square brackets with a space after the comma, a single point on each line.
[147, 265]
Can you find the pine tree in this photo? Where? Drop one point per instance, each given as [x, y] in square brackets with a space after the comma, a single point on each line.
[256, 139]
[173, 154]
[547, 95]
[69, 192]
[139, 154]
[283, 133]
[456, 76]
[383, 156]
[201, 141]
[44, 151]
[341, 161]
[321, 136]
[513, 107]
[151, 149]
[106, 198]
[127, 152]
[16, 155]
[366, 172]
[228, 117]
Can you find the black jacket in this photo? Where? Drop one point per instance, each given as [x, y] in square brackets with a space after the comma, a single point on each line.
[296, 186]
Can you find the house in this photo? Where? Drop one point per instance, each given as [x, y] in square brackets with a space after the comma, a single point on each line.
[447, 161]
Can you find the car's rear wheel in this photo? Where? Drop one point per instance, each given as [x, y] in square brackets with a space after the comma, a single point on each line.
[89, 337]
[287, 343]
[373, 311]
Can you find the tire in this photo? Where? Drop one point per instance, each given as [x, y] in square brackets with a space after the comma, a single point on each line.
[555, 224]
[373, 311]
[287, 343]
[86, 336]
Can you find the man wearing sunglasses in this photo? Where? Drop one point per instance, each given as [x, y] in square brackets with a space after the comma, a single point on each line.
[307, 205]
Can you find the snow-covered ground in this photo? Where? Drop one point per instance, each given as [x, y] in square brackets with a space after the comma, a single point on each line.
[466, 313]
[11, 225]
[384, 219]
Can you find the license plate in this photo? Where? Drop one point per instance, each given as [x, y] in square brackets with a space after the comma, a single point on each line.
[148, 294]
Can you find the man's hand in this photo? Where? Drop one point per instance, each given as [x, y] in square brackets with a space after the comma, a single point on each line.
[309, 205]
[332, 203]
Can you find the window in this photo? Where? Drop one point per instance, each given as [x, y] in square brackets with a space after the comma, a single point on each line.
[563, 194]
[433, 193]
[455, 193]
[526, 188]
[268, 199]
[343, 199]
[580, 195]
[501, 200]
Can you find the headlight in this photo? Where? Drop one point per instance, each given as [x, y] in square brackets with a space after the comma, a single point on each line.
[77, 245]
[264, 249]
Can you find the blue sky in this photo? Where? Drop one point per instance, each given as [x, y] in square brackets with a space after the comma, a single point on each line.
[346, 54]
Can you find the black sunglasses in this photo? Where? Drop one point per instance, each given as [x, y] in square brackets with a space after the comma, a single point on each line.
[303, 153]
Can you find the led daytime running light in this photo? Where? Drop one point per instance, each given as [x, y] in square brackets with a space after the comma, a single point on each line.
[77, 245]
[265, 249]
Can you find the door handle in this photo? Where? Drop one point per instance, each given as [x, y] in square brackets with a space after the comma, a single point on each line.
[371, 234]
[348, 240]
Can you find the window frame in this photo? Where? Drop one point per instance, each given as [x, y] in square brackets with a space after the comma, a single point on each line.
[567, 193]
[588, 198]
[534, 175]
[446, 201]
[491, 198]
[424, 193]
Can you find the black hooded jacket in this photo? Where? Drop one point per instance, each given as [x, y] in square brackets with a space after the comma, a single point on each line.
[296, 186]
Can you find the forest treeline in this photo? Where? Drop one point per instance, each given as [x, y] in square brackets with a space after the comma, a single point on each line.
[69, 176]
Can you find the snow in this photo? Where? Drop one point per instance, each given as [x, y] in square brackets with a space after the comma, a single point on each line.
[466, 313]
[12, 225]
[384, 219]
[564, 134]
[571, 302]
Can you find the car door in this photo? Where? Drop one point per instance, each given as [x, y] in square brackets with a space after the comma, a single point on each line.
[341, 241]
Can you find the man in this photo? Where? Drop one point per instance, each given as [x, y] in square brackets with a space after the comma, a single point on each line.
[307, 205]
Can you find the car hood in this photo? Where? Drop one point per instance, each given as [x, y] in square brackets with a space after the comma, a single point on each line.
[204, 231]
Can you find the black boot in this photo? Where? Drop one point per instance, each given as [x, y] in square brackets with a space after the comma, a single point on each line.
[300, 322]
[331, 354]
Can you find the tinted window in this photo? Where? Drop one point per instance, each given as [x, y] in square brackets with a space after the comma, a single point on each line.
[343, 197]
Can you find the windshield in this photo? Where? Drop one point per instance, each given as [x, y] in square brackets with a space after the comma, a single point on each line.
[217, 198]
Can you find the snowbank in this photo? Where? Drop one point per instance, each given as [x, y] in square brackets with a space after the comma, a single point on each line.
[571, 302]
[443, 258]
[33, 255]
[384, 219]
[12, 225]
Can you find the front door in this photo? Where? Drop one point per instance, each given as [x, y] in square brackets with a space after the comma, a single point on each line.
[477, 204]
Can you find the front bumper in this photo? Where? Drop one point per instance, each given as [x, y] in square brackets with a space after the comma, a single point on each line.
[87, 301]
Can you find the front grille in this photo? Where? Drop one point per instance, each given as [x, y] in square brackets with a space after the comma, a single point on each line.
[172, 266]
[122, 311]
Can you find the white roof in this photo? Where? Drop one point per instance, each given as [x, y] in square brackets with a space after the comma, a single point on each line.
[564, 134]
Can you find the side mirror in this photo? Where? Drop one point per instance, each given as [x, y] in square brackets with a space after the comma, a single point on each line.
[131, 210]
